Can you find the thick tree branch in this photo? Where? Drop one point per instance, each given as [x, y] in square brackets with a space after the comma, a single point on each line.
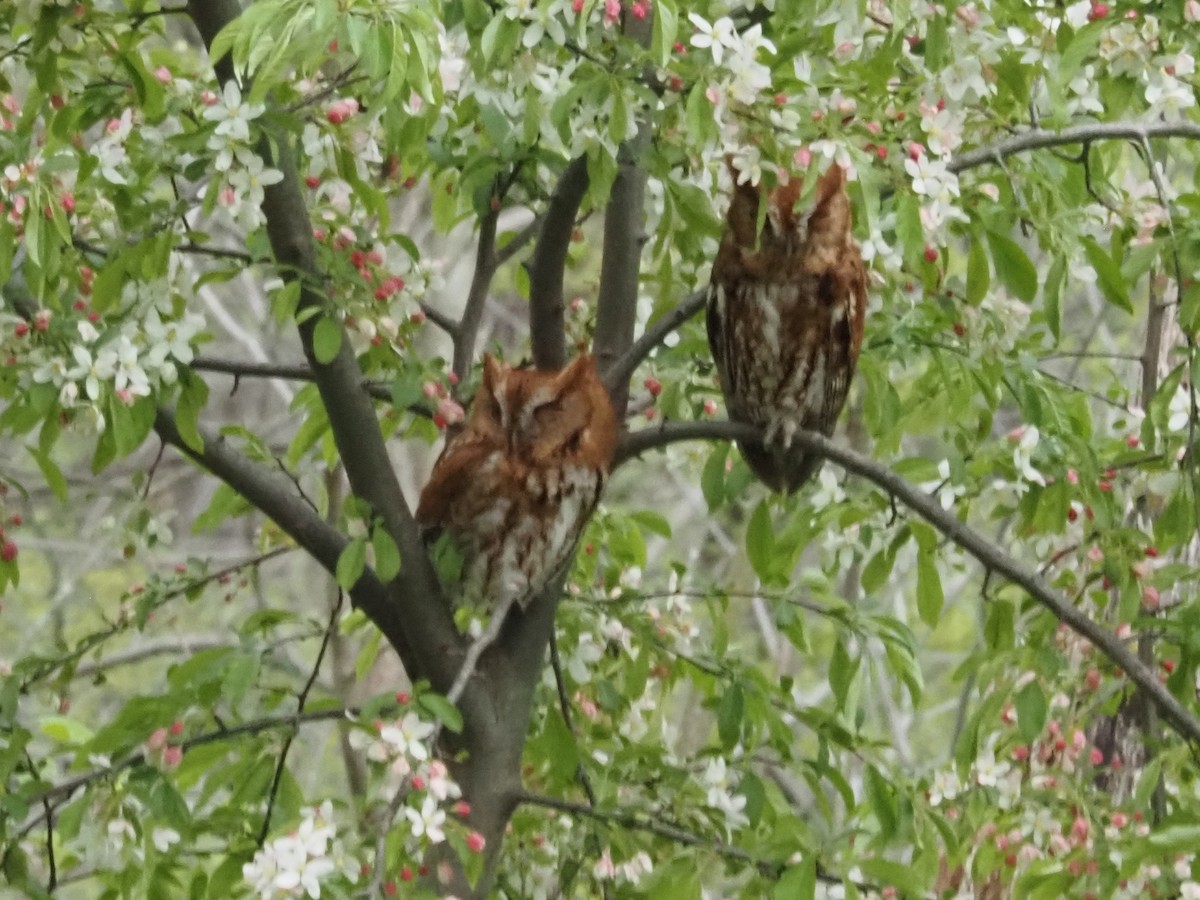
[274, 494]
[619, 373]
[1039, 139]
[547, 328]
[993, 559]
[426, 631]
[620, 267]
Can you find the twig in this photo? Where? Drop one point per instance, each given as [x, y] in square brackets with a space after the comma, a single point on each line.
[564, 706]
[301, 700]
[983, 550]
[619, 373]
[519, 241]
[643, 823]
[89, 643]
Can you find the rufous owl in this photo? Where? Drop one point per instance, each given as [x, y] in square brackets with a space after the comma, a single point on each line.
[785, 319]
[516, 486]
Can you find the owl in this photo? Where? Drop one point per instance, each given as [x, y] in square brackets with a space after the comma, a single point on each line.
[517, 485]
[785, 320]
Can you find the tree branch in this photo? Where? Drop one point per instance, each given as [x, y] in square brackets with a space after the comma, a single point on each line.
[547, 328]
[467, 328]
[273, 493]
[662, 829]
[1180, 718]
[619, 373]
[620, 267]
[426, 629]
[1039, 139]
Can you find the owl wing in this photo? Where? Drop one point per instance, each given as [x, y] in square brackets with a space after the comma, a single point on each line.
[452, 478]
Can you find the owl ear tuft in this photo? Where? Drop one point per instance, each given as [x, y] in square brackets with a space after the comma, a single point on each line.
[493, 371]
[576, 371]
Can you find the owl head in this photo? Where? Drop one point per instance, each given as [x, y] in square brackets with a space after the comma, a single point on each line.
[545, 418]
[785, 231]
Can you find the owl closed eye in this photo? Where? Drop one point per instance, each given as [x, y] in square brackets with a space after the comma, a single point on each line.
[515, 488]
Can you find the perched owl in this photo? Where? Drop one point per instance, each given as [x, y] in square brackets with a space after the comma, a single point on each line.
[517, 485]
[785, 320]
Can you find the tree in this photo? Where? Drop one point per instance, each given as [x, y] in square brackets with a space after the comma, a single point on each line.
[967, 666]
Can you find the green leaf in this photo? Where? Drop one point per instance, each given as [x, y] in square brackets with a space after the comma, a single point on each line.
[560, 750]
[666, 23]
[351, 563]
[798, 882]
[652, 522]
[65, 730]
[55, 480]
[842, 670]
[930, 599]
[712, 479]
[327, 339]
[1108, 275]
[979, 276]
[730, 711]
[760, 541]
[187, 411]
[1030, 704]
[387, 555]
[883, 801]
[1052, 295]
[442, 710]
[1013, 266]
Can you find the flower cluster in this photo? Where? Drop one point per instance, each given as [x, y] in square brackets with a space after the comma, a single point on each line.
[296, 864]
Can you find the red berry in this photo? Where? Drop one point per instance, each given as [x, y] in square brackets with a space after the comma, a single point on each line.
[931, 253]
[8, 552]
[653, 385]
[21, 329]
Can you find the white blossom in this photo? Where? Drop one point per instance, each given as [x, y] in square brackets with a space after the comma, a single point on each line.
[718, 37]
[428, 821]
[1027, 441]
[232, 115]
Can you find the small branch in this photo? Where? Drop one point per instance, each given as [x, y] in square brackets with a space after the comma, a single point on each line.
[564, 706]
[440, 319]
[274, 495]
[643, 823]
[94, 640]
[547, 327]
[619, 373]
[1038, 139]
[481, 282]
[301, 700]
[519, 241]
[984, 550]
[240, 369]
[63, 790]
